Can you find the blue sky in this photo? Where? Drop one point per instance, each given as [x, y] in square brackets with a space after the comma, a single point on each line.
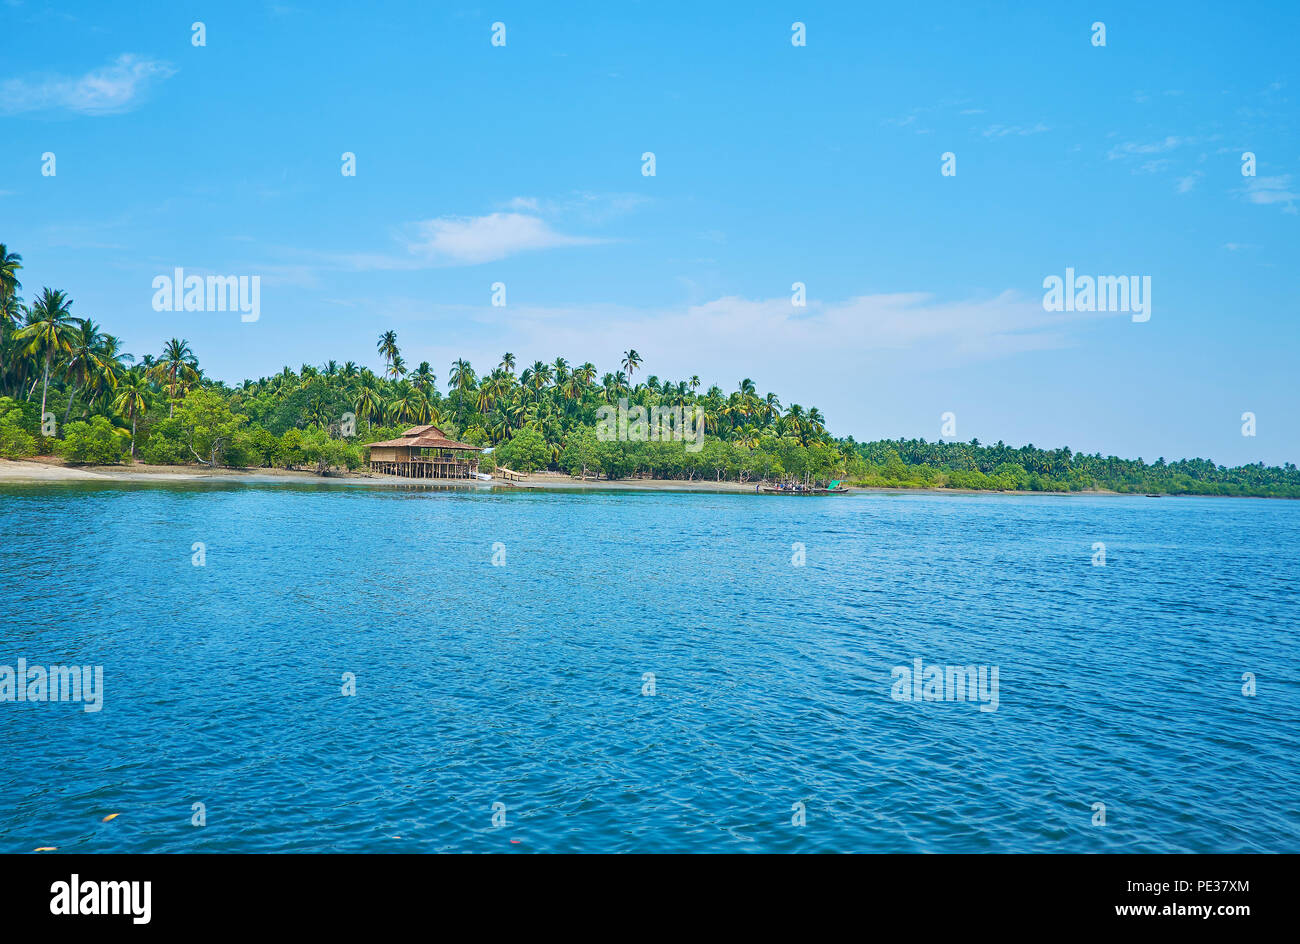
[774, 164]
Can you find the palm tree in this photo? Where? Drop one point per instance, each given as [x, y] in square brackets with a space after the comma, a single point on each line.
[388, 347]
[462, 374]
[797, 421]
[83, 359]
[50, 331]
[368, 403]
[11, 311]
[10, 306]
[771, 407]
[424, 378]
[695, 382]
[397, 368]
[112, 364]
[318, 413]
[541, 375]
[405, 406]
[485, 398]
[816, 422]
[178, 371]
[508, 362]
[132, 399]
[10, 263]
[631, 361]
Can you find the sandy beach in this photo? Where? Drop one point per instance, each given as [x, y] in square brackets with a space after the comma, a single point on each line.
[46, 469]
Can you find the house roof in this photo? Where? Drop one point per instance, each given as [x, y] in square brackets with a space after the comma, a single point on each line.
[426, 437]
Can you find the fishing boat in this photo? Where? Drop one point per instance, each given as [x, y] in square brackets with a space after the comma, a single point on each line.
[802, 488]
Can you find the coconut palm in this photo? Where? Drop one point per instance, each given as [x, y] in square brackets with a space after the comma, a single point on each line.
[631, 361]
[10, 303]
[179, 370]
[816, 422]
[540, 376]
[462, 374]
[771, 408]
[132, 399]
[10, 263]
[405, 406]
[50, 331]
[387, 347]
[424, 378]
[318, 413]
[83, 364]
[508, 362]
[368, 403]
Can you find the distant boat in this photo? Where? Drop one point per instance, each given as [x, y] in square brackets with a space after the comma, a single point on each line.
[798, 488]
[1153, 496]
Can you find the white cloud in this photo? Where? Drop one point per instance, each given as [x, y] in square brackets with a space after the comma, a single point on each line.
[769, 338]
[1001, 131]
[1131, 148]
[111, 89]
[475, 239]
[1186, 184]
[586, 206]
[1270, 190]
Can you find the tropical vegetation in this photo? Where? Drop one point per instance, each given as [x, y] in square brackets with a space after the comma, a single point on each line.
[68, 389]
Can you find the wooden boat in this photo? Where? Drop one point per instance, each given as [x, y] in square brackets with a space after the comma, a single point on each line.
[801, 488]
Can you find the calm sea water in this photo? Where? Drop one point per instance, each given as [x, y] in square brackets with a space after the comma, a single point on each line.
[522, 684]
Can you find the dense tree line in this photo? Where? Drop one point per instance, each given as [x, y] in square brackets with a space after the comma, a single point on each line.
[67, 388]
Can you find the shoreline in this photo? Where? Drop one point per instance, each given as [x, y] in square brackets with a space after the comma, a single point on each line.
[39, 471]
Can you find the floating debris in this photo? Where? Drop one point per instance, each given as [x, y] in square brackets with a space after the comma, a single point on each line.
[46, 849]
[110, 817]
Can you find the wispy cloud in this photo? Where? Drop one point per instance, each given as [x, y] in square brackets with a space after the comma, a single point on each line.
[1001, 131]
[1134, 148]
[773, 338]
[522, 224]
[1188, 183]
[475, 239]
[583, 205]
[114, 88]
[1270, 190]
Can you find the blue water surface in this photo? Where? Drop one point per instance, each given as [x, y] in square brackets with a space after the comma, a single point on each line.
[522, 684]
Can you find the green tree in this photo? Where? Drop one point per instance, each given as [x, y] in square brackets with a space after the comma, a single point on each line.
[50, 332]
[95, 443]
[527, 451]
[207, 425]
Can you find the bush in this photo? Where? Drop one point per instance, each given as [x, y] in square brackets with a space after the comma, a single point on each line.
[526, 452]
[253, 448]
[95, 443]
[16, 435]
[164, 446]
